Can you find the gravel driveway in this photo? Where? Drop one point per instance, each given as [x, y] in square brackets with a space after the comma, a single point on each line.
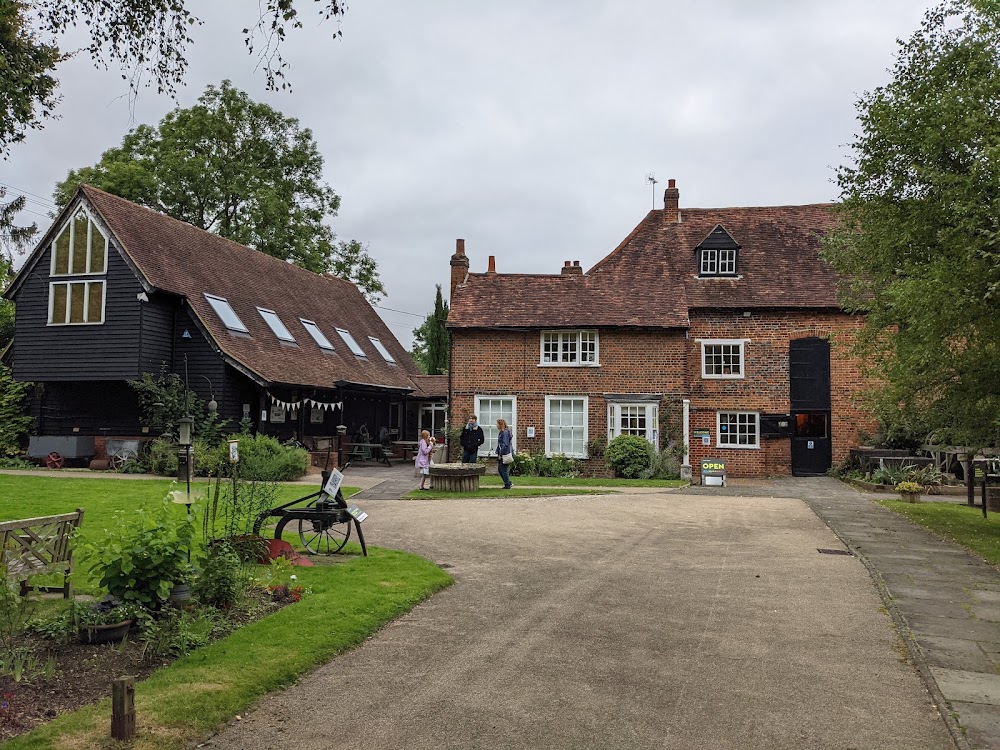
[630, 621]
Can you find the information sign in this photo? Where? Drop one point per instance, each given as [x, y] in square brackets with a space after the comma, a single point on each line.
[357, 514]
[332, 486]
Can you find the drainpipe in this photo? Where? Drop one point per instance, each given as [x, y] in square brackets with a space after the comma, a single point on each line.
[686, 465]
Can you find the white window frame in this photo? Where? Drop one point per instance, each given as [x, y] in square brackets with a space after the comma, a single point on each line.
[380, 348]
[70, 226]
[237, 325]
[490, 444]
[652, 420]
[578, 335]
[353, 345]
[727, 261]
[317, 335]
[709, 262]
[741, 343]
[277, 326]
[86, 301]
[737, 445]
[586, 423]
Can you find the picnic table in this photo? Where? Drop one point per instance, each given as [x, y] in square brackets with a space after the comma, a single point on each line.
[407, 447]
[369, 452]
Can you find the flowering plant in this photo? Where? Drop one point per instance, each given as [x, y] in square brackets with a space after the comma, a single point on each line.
[909, 488]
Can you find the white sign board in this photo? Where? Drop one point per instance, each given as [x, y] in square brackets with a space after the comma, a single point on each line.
[234, 451]
[332, 486]
[356, 513]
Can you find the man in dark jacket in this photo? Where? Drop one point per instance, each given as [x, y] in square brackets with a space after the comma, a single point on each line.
[472, 438]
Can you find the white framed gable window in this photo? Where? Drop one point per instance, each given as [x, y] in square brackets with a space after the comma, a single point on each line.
[737, 429]
[569, 348]
[489, 409]
[566, 426]
[641, 419]
[80, 248]
[76, 303]
[709, 262]
[722, 358]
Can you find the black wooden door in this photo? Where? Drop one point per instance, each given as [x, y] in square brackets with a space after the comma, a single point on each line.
[809, 370]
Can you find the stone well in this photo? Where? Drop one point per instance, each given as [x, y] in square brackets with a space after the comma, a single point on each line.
[456, 477]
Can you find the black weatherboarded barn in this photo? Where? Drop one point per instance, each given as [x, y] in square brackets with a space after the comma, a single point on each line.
[114, 290]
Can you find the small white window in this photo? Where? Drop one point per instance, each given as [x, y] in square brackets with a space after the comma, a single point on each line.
[709, 262]
[76, 303]
[80, 248]
[489, 409]
[722, 359]
[382, 350]
[322, 341]
[226, 313]
[351, 343]
[569, 348]
[566, 426]
[727, 262]
[634, 419]
[737, 429]
[274, 323]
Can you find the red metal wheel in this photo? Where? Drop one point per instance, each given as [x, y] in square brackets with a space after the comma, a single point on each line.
[54, 460]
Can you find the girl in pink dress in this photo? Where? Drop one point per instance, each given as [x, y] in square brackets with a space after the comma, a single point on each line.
[423, 459]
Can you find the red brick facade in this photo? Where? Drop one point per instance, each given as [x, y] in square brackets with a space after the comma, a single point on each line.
[652, 305]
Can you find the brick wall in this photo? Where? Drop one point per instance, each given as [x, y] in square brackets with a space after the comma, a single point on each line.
[666, 362]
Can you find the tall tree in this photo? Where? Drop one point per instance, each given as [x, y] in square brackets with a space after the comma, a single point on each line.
[240, 169]
[148, 39]
[920, 237]
[13, 240]
[431, 343]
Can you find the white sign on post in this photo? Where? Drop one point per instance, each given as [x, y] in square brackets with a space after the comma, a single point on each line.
[357, 514]
[332, 486]
[234, 451]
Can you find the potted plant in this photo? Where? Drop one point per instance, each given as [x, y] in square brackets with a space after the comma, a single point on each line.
[140, 559]
[909, 491]
[102, 622]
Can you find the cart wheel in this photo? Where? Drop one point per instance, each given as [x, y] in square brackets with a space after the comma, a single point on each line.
[121, 458]
[320, 541]
[54, 460]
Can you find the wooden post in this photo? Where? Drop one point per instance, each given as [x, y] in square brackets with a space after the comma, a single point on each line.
[123, 708]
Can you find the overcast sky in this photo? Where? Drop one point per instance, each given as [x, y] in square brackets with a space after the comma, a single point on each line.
[525, 127]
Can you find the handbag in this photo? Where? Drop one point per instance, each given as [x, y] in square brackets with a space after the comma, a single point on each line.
[507, 458]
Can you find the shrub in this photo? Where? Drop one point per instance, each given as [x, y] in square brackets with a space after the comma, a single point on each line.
[629, 456]
[908, 488]
[663, 465]
[540, 465]
[139, 559]
[14, 423]
[262, 458]
[223, 579]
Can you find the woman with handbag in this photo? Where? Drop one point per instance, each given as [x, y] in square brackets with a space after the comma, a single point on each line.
[505, 452]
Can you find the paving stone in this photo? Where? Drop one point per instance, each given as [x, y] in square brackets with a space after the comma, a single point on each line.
[968, 687]
[981, 723]
[953, 653]
[969, 629]
[990, 612]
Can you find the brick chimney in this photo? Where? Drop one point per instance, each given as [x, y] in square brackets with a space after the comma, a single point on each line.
[492, 268]
[671, 203]
[459, 266]
[572, 269]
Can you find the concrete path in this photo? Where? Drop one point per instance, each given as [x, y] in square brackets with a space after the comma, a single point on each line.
[945, 600]
[659, 619]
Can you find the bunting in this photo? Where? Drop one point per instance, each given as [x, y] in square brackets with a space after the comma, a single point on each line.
[323, 405]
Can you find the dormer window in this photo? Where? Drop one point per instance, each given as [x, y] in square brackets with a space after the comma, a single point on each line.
[718, 254]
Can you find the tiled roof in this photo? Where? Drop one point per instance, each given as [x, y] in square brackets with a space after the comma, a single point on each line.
[430, 386]
[176, 257]
[651, 278]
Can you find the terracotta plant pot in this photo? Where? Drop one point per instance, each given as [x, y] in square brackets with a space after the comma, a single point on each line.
[109, 633]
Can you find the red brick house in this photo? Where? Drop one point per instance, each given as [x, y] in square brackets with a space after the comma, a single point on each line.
[715, 328]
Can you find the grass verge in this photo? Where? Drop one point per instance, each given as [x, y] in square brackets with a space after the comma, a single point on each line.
[499, 491]
[495, 481]
[957, 522]
[199, 692]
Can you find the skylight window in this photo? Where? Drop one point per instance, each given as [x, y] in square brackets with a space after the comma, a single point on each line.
[351, 343]
[226, 313]
[322, 341]
[274, 323]
[382, 350]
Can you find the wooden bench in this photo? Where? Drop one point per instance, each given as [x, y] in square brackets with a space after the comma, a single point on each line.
[34, 546]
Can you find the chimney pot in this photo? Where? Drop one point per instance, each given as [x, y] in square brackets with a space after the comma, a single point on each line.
[493, 265]
[459, 266]
[565, 263]
[576, 263]
[572, 269]
[459, 247]
[671, 183]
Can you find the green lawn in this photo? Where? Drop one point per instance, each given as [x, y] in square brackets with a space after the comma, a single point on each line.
[197, 694]
[493, 480]
[958, 522]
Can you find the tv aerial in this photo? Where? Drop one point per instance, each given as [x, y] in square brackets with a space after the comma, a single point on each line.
[651, 179]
